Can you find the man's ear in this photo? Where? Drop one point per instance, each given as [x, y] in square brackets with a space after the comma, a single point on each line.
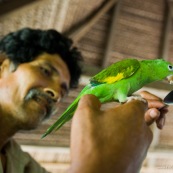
[6, 66]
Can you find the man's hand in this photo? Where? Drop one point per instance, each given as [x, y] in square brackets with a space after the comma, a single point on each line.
[157, 109]
[110, 141]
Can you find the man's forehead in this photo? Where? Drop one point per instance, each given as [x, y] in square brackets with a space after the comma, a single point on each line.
[53, 59]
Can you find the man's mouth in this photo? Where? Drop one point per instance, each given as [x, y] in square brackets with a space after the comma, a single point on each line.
[170, 79]
[42, 99]
[43, 102]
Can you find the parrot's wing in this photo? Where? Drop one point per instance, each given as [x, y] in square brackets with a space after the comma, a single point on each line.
[116, 72]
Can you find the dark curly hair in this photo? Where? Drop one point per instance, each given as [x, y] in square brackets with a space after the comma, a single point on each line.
[26, 44]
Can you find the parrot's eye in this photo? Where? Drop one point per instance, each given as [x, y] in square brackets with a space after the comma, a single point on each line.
[170, 67]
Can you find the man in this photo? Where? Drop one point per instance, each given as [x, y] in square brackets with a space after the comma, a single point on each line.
[37, 68]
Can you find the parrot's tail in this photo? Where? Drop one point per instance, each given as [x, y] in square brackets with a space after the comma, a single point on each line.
[66, 116]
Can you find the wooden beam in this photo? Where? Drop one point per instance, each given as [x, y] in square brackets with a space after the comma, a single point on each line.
[111, 34]
[23, 9]
[59, 15]
[165, 42]
[8, 6]
[82, 30]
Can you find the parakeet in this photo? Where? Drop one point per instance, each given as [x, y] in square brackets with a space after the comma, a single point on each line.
[117, 82]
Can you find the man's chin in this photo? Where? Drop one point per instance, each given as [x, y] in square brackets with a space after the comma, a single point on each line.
[33, 113]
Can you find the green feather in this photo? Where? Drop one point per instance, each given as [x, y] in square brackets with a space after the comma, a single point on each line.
[116, 72]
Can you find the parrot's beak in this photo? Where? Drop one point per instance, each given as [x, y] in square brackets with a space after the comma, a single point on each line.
[170, 79]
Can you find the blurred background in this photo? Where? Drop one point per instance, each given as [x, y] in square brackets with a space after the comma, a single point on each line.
[105, 31]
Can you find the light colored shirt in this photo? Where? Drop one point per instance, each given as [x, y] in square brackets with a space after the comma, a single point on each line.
[19, 161]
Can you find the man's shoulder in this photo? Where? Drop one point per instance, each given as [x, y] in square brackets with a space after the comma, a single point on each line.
[16, 156]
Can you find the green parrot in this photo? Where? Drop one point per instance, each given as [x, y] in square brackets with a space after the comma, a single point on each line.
[117, 82]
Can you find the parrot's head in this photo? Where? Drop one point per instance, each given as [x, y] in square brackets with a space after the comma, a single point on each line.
[170, 72]
[165, 70]
[159, 69]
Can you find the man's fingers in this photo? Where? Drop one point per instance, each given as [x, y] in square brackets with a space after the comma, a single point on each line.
[157, 109]
[151, 115]
[155, 104]
[161, 121]
[155, 115]
[148, 96]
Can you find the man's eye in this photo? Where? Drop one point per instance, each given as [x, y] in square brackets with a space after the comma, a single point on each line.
[46, 71]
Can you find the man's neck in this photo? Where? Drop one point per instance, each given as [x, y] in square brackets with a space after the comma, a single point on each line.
[7, 130]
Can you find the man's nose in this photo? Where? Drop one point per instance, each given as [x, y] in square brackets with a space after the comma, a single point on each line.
[52, 93]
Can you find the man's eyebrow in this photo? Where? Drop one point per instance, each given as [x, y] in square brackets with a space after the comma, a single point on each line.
[52, 67]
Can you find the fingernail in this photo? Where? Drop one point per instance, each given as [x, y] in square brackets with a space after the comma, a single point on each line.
[153, 114]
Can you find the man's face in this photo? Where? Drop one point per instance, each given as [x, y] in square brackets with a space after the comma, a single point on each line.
[30, 93]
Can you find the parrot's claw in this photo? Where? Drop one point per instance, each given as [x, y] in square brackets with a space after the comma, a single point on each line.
[170, 79]
[136, 98]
